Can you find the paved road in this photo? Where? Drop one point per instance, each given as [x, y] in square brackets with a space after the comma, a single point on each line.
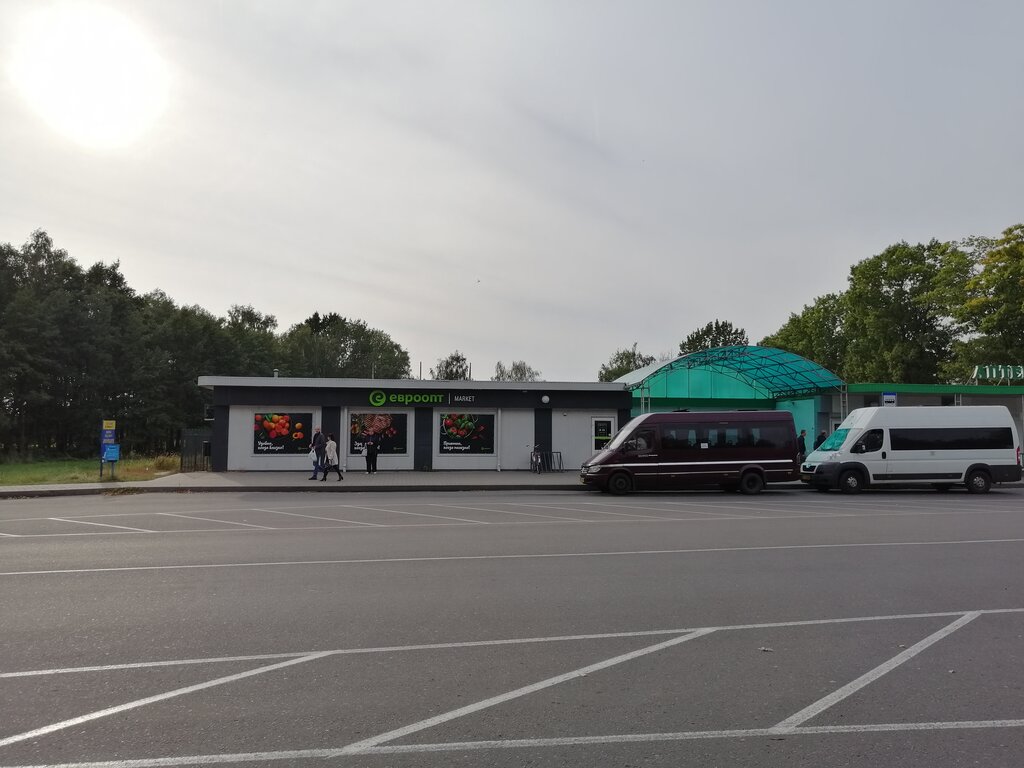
[509, 629]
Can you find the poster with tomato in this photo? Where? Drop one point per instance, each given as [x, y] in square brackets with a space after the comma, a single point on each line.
[466, 433]
[388, 430]
[281, 433]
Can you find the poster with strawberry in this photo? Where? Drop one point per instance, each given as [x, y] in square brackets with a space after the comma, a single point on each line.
[462, 433]
[281, 433]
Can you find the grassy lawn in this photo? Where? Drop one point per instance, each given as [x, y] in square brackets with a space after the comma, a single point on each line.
[86, 470]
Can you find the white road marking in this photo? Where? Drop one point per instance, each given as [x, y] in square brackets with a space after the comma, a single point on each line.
[509, 512]
[570, 741]
[539, 556]
[104, 525]
[417, 514]
[444, 717]
[667, 510]
[212, 520]
[853, 686]
[59, 726]
[317, 517]
[595, 511]
[508, 641]
[11, 535]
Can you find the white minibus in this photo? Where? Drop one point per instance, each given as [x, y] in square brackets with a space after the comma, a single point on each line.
[941, 446]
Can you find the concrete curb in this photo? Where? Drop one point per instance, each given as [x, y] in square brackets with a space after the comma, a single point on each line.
[23, 493]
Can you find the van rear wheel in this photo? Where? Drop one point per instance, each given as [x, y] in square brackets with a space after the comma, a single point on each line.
[851, 482]
[620, 484]
[751, 483]
[978, 482]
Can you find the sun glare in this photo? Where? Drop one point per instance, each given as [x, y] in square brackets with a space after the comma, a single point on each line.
[90, 73]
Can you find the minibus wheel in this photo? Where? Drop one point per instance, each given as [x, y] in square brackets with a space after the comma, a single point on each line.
[751, 483]
[851, 482]
[978, 482]
[620, 484]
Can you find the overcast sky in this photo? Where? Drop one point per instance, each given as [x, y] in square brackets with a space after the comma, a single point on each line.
[539, 180]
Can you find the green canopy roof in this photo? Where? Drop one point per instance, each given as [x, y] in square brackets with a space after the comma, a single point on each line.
[770, 372]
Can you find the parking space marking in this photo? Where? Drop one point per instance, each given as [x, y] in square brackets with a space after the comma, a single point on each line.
[418, 514]
[507, 641]
[70, 723]
[104, 525]
[569, 741]
[317, 517]
[212, 520]
[444, 717]
[527, 556]
[509, 512]
[568, 509]
[668, 510]
[815, 709]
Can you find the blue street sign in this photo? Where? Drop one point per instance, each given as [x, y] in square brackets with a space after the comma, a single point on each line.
[108, 437]
[112, 452]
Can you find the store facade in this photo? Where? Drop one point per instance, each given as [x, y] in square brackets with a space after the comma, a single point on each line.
[267, 423]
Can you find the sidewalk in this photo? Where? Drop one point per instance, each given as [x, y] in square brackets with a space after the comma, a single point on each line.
[211, 482]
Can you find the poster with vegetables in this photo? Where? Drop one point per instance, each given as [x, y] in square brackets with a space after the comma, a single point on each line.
[388, 430]
[467, 433]
[284, 433]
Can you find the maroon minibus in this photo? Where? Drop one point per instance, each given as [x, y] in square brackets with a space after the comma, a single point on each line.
[734, 450]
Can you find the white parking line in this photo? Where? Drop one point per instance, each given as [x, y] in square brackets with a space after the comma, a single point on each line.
[510, 512]
[317, 517]
[815, 709]
[595, 511]
[444, 717]
[570, 741]
[104, 525]
[539, 556]
[212, 520]
[417, 514]
[59, 726]
[509, 641]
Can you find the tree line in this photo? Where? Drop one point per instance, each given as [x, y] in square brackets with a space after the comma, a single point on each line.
[914, 314]
[78, 345]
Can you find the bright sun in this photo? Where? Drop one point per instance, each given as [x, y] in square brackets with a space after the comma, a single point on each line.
[90, 73]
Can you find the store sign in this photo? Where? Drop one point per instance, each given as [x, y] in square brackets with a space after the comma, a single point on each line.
[888, 398]
[998, 372]
[380, 398]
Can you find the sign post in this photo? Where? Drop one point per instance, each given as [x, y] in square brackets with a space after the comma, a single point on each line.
[109, 446]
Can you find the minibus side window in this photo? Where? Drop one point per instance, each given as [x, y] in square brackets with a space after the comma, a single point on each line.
[869, 442]
[641, 440]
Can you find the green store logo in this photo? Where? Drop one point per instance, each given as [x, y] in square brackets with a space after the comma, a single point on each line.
[379, 397]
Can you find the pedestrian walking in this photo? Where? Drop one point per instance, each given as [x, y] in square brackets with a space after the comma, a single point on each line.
[370, 449]
[820, 439]
[801, 445]
[331, 454]
[319, 447]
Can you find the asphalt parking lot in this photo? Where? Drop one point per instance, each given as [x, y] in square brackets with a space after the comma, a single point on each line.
[513, 628]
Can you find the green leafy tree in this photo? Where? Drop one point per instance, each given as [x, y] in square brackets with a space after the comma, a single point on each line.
[897, 324]
[517, 371]
[455, 367]
[334, 346]
[717, 333]
[623, 361]
[817, 333]
[994, 306]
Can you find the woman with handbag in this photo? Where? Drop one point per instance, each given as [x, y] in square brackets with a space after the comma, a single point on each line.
[332, 462]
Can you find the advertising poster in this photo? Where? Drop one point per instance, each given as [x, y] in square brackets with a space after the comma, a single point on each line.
[389, 430]
[281, 433]
[466, 433]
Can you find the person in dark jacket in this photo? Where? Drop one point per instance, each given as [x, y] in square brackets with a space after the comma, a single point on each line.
[820, 439]
[319, 447]
[801, 445]
[370, 449]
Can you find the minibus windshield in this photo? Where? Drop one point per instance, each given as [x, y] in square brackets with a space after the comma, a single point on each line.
[834, 441]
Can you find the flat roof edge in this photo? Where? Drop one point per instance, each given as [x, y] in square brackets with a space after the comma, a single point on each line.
[210, 382]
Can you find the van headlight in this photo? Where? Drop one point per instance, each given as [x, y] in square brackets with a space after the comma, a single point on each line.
[593, 469]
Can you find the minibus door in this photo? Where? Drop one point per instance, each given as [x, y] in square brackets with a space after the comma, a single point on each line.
[640, 455]
[869, 451]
